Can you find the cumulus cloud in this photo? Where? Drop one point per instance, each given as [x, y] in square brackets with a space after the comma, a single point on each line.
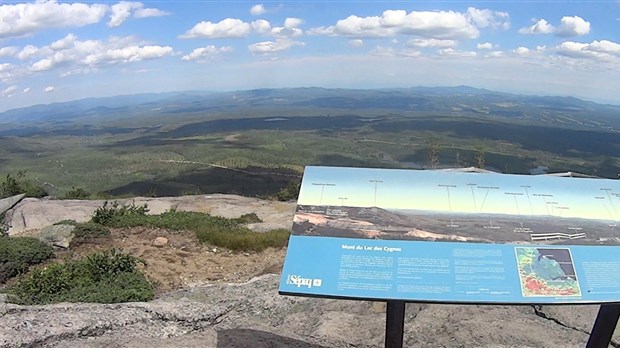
[8, 92]
[236, 28]
[432, 43]
[22, 19]
[26, 90]
[522, 51]
[383, 51]
[267, 47]
[450, 52]
[70, 51]
[257, 10]
[226, 28]
[494, 54]
[603, 49]
[448, 25]
[569, 26]
[488, 18]
[9, 51]
[540, 27]
[49, 89]
[484, 46]
[356, 42]
[121, 11]
[206, 53]
[573, 26]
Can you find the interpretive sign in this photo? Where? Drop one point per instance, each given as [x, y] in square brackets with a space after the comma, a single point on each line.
[446, 236]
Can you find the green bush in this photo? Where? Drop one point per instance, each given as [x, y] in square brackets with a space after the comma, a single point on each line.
[249, 218]
[290, 192]
[17, 254]
[90, 230]
[105, 277]
[76, 193]
[117, 215]
[243, 239]
[18, 184]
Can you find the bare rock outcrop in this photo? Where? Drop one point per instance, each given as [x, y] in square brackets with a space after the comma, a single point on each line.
[32, 213]
[252, 314]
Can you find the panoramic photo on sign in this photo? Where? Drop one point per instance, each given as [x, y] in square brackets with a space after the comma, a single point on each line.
[448, 236]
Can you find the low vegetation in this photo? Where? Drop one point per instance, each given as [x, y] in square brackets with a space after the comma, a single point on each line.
[105, 277]
[215, 230]
[19, 183]
[17, 254]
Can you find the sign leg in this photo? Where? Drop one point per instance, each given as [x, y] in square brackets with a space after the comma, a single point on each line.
[394, 324]
[604, 326]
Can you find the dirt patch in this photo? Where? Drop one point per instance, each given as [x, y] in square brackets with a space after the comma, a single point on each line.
[183, 260]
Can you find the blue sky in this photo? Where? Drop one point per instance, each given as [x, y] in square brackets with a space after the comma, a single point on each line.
[55, 51]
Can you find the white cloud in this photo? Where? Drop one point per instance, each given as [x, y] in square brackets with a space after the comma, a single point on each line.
[450, 52]
[26, 90]
[356, 42]
[121, 12]
[27, 52]
[125, 9]
[292, 22]
[603, 50]
[8, 51]
[206, 53]
[382, 51]
[236, 28]
[23, 19]
[226, 28]
[569, 26]
[522, 51]
[72, 52]
[257, 10]
[49, 89]
[8, 92]
[573, 26]
[488, 18]
[149, 12]
[261, 26]
[484, 46]
[432, 43]
[495, 54]
[27, 18]
[540, 27]
[267, 47]
[427, 24]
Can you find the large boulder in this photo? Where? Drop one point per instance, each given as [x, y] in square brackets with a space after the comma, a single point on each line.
[56, 235]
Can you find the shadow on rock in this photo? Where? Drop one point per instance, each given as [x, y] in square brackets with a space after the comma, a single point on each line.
[242, 338]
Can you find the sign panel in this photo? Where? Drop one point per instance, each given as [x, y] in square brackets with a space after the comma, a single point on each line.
[443, 236]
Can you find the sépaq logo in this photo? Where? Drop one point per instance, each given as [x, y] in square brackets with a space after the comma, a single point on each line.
[299, 281]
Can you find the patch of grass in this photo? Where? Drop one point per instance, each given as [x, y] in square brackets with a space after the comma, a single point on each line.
[219, 231]
[85, 232]
[17, 254]
[243, 239]
[105, 277]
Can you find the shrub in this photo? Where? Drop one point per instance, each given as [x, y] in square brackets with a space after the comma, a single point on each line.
[117, 215]
[289, 192]
[18, 184]
[19, 253]
[249, 218]
[90, 230]
[105, 277]
[76, 193]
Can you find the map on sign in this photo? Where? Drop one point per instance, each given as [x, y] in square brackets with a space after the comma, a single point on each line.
[454, 236]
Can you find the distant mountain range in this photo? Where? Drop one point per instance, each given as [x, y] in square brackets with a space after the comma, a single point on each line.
[460, 101]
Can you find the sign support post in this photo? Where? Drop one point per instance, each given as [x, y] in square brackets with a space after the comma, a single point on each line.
[604, 326]
[394, 324]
